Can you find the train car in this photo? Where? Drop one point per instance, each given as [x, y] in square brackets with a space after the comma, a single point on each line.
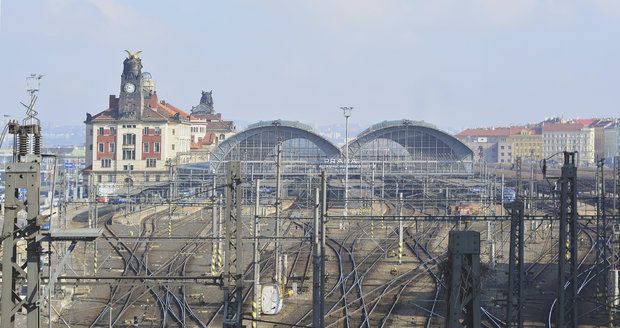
[509, 195]
[271, 299]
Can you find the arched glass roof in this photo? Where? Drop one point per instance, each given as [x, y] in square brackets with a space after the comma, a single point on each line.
[258, 143]
[408, 142]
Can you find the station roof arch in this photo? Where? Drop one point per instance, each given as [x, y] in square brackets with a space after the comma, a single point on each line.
[258, 142]
[410, 140]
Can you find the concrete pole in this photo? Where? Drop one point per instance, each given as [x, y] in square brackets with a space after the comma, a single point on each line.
[502, 196]
[256, 233]
[278, 251]
[372, 196]
[491, 244]
[214, 228]
[284, 269]
[323, 237]
[220, 233]
[96, 204]
[447, 200]
[170, 178]
[400, 228]
[531, 202]
[317, 278]
[382, 193]
[93, 198]
[346, 171]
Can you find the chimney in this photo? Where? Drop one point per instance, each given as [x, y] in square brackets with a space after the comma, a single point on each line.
[113, 102]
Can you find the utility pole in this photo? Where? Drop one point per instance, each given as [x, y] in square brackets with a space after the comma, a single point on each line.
[531, 202]
[220, 227]
[317, 292]
[400, 228]
[502, 195]
[233, 261]
[567, 256]
[256, 304]
[322, 251]
[23, 183]
[602, 279]
[516, 270]
[347, 113]
[278, 245]
[92, 197]
[382, 193]
[463, 292]
[170, 180]
[214, 228]
[616, 202]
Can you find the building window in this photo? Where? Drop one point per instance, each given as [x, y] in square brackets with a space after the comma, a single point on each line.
[172, 146]
[99, 177]
[173, 131]
[146, 131]
[112, 147]
[106, 162]
[100, 147]
[112, 131]
[156, 147]
[147, 178]
[129, 139]
[145, 148]
[101, 131]
[128, 167]
[129, 154]
[157, 131]
[157, 178]
[111, 178]
[151, 162]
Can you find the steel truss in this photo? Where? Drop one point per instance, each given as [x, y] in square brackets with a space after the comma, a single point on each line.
[516, 279]
[567, 259]
[464, 286]
[233, 259]
[22, 202]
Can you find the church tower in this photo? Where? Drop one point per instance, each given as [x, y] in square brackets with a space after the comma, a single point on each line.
[131, 100]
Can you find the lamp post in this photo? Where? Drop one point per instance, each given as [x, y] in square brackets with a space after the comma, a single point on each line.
[347, 113]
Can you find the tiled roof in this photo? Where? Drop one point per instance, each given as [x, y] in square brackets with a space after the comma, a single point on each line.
[562, 127]
[171, 110]
[206, 116]
[220, 125]
[584, 121]
[209, 138]
[491, 132]
[154, 111]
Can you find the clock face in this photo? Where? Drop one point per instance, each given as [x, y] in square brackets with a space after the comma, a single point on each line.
[129, 87]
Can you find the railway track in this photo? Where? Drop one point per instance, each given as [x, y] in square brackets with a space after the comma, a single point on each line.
[173, 305]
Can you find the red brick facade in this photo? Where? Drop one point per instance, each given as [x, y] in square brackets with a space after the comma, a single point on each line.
[106, 138]
[151, 139]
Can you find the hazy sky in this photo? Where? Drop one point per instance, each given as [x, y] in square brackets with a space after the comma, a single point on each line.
[452, 63]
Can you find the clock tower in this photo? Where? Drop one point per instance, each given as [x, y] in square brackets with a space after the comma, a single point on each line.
[131, 100]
